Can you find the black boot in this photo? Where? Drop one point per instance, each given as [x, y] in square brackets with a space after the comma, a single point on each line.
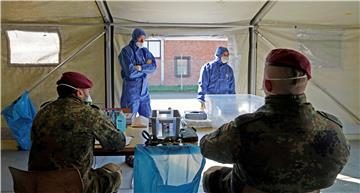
[129, 160]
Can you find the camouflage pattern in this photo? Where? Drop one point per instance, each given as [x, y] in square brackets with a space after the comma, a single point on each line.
[284, 147]
[63, 135]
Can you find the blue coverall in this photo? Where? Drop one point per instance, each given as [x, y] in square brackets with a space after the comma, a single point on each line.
[216, 77]
[135, 94]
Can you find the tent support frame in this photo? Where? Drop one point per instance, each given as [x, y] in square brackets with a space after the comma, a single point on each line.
[252, 62]
[109, 53]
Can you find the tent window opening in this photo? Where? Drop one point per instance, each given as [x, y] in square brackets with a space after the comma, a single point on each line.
[29, 48]
[182, 66]
[154, 47]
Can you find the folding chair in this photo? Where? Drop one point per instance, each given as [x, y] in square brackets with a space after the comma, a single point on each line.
[55, 181]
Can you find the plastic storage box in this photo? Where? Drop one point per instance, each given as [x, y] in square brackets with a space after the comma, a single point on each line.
[223, 108]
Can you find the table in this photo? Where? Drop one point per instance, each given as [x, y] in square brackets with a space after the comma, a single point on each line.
[229, 106]
[98, 151]
[130, 149]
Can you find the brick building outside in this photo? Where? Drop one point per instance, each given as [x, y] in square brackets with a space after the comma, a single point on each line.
[179, 60]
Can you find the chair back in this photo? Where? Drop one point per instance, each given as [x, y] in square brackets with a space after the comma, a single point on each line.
[55, 181]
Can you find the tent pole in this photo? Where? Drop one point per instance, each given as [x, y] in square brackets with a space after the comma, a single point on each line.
[181, 25]
[252, 63]
[252, 66]
[109, 53]
[83, 47]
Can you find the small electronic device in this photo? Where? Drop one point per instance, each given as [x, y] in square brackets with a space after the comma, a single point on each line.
[195, 115]
[165, 123]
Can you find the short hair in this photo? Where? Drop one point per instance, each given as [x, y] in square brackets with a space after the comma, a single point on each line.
[65, 91]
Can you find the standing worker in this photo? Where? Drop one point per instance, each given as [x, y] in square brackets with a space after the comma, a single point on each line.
[136, 63]
[216, 77]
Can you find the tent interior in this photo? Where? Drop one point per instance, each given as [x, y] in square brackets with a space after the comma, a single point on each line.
[90, 35]
[87, 36]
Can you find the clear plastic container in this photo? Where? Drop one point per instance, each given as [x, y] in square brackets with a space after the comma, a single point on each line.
[223, 108]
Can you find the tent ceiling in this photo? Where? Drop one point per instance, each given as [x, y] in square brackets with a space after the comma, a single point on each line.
[219, 17]
[238, 12]
[184, 12]
[205, 12]
[50, 12]
[309, 12]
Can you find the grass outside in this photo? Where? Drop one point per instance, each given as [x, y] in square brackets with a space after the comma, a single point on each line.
[187, 88]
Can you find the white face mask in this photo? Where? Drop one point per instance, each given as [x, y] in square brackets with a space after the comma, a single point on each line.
[268, 92]
[290, 78]
[88, 100]
[224, 59]
[139, 44]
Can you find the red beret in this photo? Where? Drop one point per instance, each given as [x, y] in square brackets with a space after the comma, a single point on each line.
[75, 79]
[291, 58]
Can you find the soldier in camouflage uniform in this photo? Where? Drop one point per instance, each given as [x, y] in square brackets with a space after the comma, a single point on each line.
[64, 131]
[286, 146]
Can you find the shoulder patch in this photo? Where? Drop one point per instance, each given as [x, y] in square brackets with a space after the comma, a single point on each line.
[331, 118]
[247, 118]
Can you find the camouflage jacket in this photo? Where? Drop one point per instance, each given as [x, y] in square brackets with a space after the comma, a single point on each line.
[63, 135]
[284, 147]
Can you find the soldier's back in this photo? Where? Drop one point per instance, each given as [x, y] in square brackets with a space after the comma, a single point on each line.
[290, 148]
[61, 136]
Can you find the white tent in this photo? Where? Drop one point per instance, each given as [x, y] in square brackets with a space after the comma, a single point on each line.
[327, 32]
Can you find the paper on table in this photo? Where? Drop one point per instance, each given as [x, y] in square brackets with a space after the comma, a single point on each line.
[128, 139]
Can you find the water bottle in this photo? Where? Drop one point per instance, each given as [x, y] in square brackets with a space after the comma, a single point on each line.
[121, 121]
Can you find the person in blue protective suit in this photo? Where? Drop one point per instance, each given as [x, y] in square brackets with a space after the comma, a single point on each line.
[216, 77]
[136, 63]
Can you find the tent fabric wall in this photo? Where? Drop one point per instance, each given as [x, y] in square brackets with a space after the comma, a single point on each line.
[335, 13]
[16, 79]
[78, 21]
[120, 41]
[334, 85]
[50, 12]
[239, 49]
[340, 80]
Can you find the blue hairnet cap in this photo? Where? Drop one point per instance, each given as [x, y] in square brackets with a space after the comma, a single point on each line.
[220, 50]
[137, 33]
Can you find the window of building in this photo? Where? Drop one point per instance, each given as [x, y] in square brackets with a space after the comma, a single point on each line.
[182, 66]
[154, 47]
[33, 48]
